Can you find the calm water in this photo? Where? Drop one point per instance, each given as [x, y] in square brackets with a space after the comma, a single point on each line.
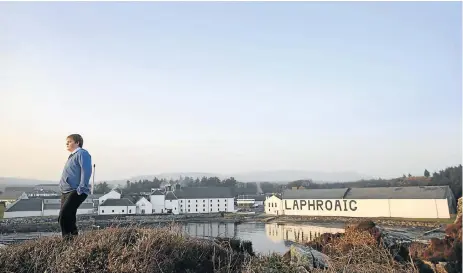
[265, 237]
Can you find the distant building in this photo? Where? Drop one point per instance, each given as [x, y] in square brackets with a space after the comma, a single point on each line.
[205, 200]
[24, 208]
[250, 200]
[48, 187]
[44, 206]
[171, 203]
[183, 200]
[143, 206]
[399, 202]
[122, 206]
[9, 197]
[113, 194]
[158, 199]
[42, 193]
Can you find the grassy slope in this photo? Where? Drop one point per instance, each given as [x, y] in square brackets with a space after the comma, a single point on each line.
[118, 250]
[2, 210]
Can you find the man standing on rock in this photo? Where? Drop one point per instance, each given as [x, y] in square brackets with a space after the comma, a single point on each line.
[74, 184]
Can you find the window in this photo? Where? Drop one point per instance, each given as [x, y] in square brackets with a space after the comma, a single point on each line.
[196, 210]
[102, 211]
[113, 210]
[204, 201]
[211, 209]
[188, 210]
[188, 205]
[188, 201]
[181, 201]
[181, 206]
[122, 210]
[204, 205]
[211, 200]
[196, 200]
[130, 211]
[204, 210]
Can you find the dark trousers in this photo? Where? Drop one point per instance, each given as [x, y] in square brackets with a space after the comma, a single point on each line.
[70, 202]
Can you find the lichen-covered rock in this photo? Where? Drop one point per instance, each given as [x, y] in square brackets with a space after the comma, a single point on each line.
[307, 257]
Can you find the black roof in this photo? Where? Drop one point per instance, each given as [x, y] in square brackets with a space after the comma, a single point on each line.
[203, 193]
[171, 196]
[315, 194]
[157, 192]
[118, 202]
[423, 192]
[26, 205]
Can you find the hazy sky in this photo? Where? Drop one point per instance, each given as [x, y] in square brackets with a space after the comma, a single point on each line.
[231, 87]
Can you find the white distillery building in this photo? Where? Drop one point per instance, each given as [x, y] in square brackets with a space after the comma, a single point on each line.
[113, 194]
[143, 206]
[398, 202]
[49, 206]
[193, 200]
[123, 206]
[180, 201]
[250, 200]
[158, 199]
[205, 200]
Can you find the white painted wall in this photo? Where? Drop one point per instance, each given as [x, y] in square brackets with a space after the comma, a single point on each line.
[210, 205]
[158, 203]
[16, 214]
[144, 206]
[419, 208]
[338, 207]
[230, 205]
[273, 205]
[114, 210]
[85, 211]
[397, 208]
[51, 212]
[175, 207]
[110, 195]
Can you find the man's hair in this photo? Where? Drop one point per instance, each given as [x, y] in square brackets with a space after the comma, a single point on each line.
[77, 139]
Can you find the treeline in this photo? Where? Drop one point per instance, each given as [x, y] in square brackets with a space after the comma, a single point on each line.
[451, 176]
[146, 185]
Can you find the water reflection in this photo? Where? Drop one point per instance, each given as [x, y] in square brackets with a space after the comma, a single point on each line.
[297, 233]
[212, 229]
[265, 237]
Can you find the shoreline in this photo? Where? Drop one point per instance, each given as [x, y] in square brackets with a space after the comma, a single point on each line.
[89, 222]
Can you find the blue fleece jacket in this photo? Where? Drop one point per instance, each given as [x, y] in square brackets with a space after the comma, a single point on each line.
[77, 172]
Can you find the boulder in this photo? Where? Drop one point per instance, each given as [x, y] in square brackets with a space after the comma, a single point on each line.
[306, 257]
[366, 225]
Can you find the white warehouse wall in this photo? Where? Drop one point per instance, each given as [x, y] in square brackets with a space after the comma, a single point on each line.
[15, 214]
[400, 208]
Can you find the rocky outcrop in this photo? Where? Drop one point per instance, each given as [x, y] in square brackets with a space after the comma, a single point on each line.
[305, 257]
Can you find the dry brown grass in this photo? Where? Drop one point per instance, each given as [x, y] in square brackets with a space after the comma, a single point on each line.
[359, 251]
[140, 250]
[118, 250]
